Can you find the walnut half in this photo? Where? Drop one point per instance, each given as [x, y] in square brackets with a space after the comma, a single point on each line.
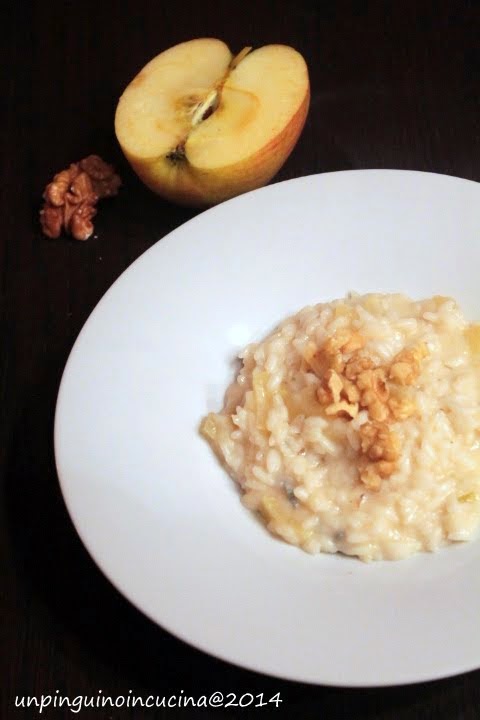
[71, 197]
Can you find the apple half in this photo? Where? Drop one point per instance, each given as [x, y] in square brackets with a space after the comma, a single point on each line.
[199, 126]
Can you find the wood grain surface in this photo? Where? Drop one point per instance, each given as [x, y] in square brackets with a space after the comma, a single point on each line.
[394, 85]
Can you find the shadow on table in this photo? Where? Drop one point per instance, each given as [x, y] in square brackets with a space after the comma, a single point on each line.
[83, 614]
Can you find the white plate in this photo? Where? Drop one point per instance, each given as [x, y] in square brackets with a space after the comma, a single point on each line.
[157, 513]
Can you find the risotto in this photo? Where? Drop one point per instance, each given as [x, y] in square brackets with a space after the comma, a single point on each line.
[355, 426]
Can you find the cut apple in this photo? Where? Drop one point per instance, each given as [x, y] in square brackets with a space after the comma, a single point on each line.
[199, 126]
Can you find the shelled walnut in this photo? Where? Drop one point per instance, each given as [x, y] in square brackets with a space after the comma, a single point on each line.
[71, 197]
[352, 382]
[380, 447]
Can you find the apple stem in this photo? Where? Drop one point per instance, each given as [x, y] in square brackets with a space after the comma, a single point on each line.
[238, 58]
[208, 106]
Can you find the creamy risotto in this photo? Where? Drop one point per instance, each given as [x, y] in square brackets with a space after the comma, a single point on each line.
[354, 427]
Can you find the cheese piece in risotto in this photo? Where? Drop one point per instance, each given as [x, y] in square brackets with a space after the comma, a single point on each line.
[355, 427]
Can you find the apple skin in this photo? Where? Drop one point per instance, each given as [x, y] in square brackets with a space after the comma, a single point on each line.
[185, 185]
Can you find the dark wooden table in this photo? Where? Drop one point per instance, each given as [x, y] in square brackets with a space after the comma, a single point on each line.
[394, 85]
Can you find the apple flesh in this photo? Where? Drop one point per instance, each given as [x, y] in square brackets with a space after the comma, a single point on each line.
[200, 126]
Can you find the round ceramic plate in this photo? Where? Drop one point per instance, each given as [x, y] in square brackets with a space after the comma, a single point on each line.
[154, 508]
